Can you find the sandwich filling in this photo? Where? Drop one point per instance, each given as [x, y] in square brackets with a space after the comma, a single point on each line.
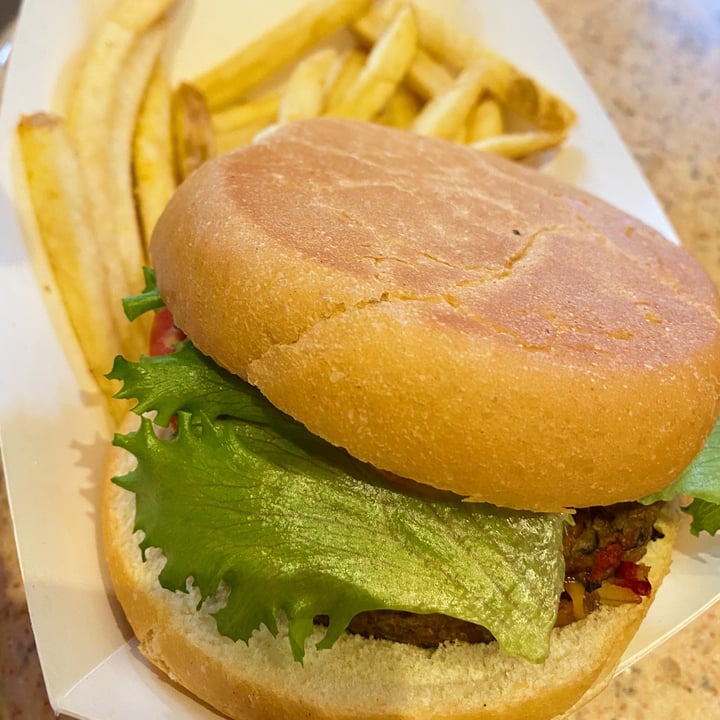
[603, 549]
[271, 522]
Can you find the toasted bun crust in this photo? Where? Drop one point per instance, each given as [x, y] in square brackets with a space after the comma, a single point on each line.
[358, 678]
[445, 315]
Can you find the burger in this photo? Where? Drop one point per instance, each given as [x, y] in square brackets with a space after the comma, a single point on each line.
[412, 437]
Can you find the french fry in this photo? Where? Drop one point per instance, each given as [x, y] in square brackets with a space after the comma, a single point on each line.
[64, 220]
[484, 120]
[522, 94]
[91, 105]
[351, 65]
[520, 145]
[98, 115]
[460, 135]
[128, 240]
[237, 137]
[444, 116]
[425, 76]
[371, 25]
[261, 111]
[384, 69]
[526, 97]
[137, 16]
[153, 162]
[401, 110]
[444, 41]
[306, 87]
[192, 129]
[229, 82]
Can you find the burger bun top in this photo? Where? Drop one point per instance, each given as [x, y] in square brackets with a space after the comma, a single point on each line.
[446, 315]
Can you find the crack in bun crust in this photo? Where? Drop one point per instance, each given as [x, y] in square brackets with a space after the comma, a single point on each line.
[446, 315]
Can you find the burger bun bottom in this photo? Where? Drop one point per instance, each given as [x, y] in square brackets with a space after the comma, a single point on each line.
[358, 677]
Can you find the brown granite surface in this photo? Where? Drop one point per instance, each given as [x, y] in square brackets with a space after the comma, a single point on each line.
[656, 66]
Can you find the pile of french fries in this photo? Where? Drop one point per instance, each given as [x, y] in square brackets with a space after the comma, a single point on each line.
[100, 173]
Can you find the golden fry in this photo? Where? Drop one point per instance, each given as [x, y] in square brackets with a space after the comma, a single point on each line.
[444, 116]
[460, 135]
[370, 26]
[228, 82]
[351, 66]
[100, 120]
[89, 117]
[425, 76]
[522, 95]
[484, 120]
[526, 97]
[237, 137]
[384, 69]
[138, 16]
[520, 145]
[306, 88]
[128, 241]
[62, 211]
[192, 130]
[263, 110]
[444, 41]
[93, 101]
[401, 110]
[153, 160]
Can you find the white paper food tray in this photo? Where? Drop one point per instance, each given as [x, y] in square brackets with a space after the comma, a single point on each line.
[53, 430]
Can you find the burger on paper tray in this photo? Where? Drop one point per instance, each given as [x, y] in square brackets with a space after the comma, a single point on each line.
[416, 451]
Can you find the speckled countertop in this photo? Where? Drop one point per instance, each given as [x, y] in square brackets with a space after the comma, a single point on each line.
[656, 66]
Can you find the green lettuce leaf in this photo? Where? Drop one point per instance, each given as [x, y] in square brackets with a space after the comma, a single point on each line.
[244, 498]
[149, 299]
[188, 380]
[700, 481]
[705, 516]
